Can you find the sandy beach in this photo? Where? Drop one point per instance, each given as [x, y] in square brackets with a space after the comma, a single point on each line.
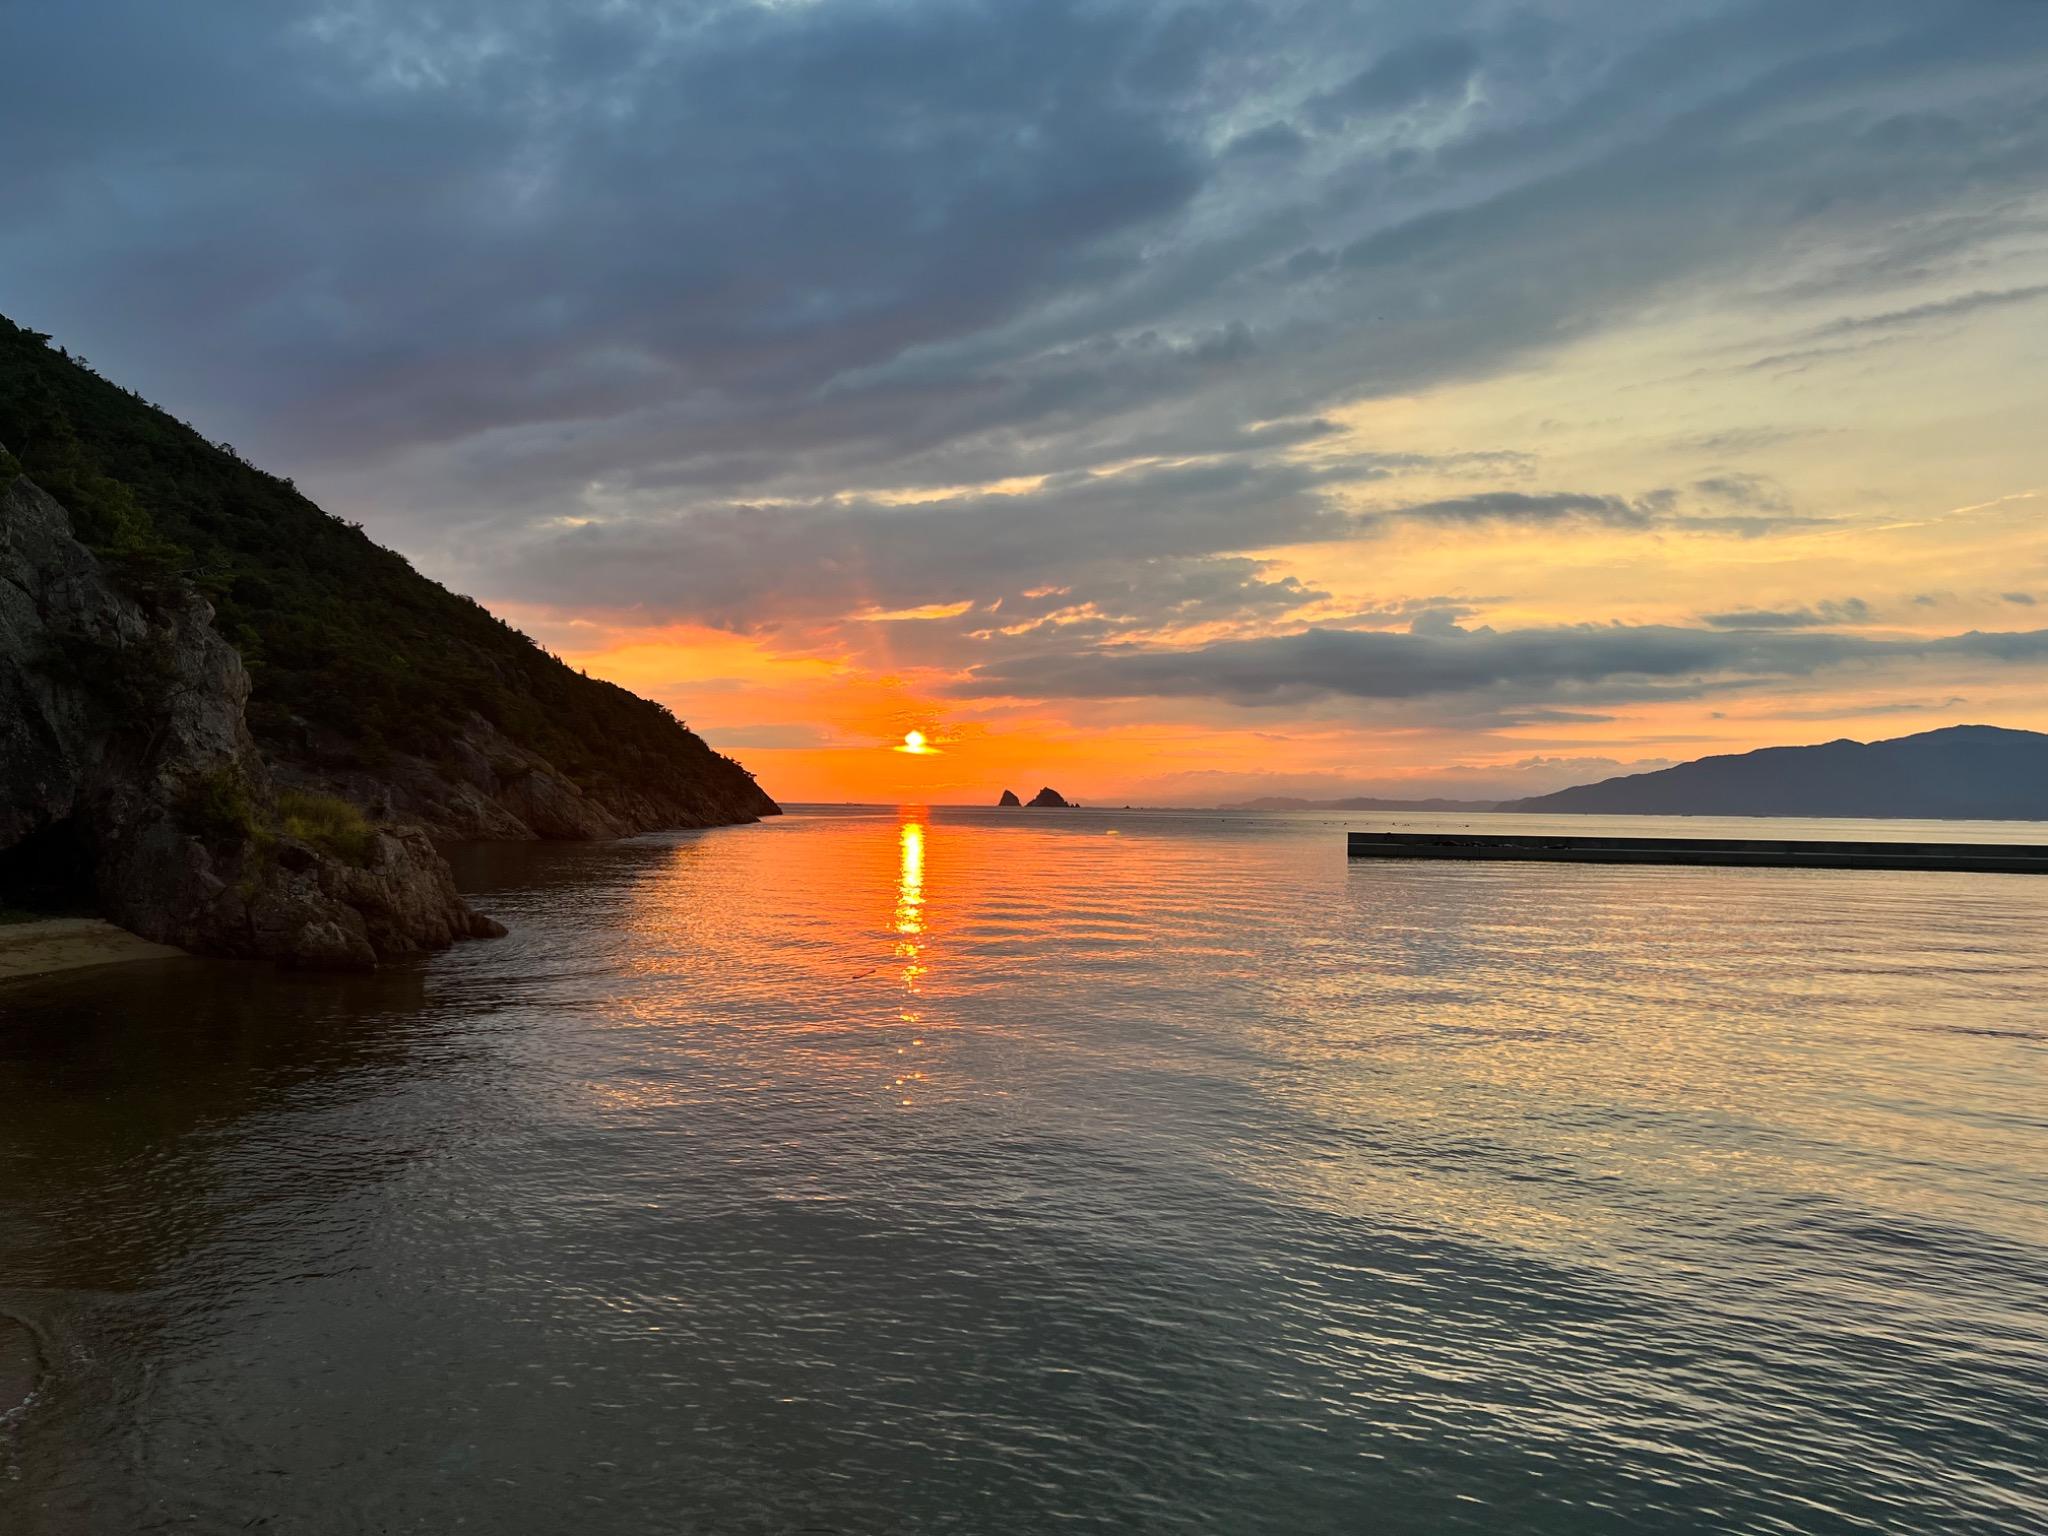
[69, 944]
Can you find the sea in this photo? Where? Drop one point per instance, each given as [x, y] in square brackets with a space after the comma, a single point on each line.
[906, 1169]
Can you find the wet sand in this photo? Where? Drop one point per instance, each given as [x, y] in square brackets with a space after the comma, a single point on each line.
[68, 944]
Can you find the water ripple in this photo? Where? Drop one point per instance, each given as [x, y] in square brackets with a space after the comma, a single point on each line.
[892, 1172]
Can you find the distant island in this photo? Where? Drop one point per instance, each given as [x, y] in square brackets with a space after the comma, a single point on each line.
[1964, 772]
[1046, 799]
[231, 722]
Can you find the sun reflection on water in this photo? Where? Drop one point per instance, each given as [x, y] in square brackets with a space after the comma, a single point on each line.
[910, 882]
[910, 902]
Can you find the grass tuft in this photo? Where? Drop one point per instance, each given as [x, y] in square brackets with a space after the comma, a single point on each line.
[331, 825]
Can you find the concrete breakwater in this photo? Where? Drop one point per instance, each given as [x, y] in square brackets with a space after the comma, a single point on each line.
[1769, 853]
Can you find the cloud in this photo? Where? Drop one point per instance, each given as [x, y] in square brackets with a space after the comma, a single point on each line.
[1954, 308]
[1744, 490]
[1552, 507]
[1148, 548]
[790, 248]
[1654, 510]
[1861, 710]
[744, 566]
[1423, 69]
[1569, 665]
[1848, 610]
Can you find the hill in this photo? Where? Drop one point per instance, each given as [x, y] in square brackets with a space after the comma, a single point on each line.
[367, 679]
[1965, 772]
[233, 723]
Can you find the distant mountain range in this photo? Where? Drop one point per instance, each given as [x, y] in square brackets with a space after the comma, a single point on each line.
[1966, 772]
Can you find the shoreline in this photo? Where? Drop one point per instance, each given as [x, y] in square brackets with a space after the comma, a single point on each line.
[50, 944]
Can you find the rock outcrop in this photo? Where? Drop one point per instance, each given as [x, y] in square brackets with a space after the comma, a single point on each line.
[1051, 799]
[124, 746]
[1009, 799]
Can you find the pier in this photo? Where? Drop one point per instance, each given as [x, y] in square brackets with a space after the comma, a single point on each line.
[1762, 853]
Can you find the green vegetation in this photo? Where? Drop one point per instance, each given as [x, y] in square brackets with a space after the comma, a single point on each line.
[343, 639]
[331, 825]
[129, 679]
[219, 810]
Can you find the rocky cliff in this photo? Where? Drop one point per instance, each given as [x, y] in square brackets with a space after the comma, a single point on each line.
[127, 768]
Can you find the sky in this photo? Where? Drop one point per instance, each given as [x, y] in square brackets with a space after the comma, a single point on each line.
[1172, 403]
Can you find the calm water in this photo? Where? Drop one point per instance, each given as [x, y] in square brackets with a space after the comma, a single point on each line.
[893, 1171]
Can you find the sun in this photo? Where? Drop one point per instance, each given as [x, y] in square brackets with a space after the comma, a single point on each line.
[915, 744]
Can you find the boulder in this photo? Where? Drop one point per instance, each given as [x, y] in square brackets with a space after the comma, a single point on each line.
[1009, 798]
[1051, 799]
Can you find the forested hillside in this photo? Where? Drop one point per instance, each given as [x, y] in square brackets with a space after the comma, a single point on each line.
[367, 676]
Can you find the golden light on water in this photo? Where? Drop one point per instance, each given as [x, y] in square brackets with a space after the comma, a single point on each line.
[910, 915]
[910, 879]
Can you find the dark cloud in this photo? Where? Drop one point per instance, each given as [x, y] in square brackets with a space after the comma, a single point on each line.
[1423, 69]
[786, 241]
[1940, 309]
[1663, 508]
[488, 218]
[1551, 507]
[1742, 490]
[1848, 610]
[1565, 666]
